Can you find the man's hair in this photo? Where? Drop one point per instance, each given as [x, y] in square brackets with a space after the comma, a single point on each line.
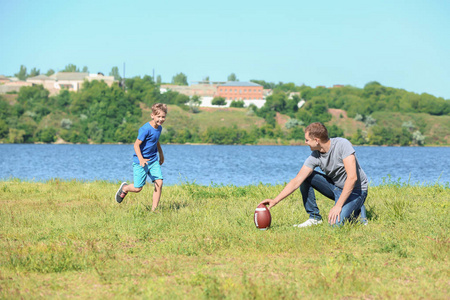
[157, 107]
[317, 130]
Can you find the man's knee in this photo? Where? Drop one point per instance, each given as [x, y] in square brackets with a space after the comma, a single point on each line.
[308, 180]
[304, 186]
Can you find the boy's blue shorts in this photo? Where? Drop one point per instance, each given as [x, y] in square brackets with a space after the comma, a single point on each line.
[140, 173]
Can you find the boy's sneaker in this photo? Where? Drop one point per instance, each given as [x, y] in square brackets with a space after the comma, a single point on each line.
[309, 222]
[120, 194]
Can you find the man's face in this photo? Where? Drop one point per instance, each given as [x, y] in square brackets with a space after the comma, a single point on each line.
[313, 143]
[159, 117]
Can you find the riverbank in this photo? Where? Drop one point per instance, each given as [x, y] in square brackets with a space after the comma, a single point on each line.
[60, 141]
[71, 239]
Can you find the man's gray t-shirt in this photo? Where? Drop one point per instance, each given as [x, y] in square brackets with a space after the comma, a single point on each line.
[332, 163]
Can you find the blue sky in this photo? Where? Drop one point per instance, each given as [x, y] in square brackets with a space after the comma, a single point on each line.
[402, 44]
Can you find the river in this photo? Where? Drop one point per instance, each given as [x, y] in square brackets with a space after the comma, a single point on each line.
[215, 165]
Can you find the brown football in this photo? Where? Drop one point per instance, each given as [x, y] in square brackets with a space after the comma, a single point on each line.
[262, 217]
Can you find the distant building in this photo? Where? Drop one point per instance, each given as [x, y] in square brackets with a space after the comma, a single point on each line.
[47, 82]
[205, 89]
[71, 81]
[109, 80]
[249, 92]
[12, 86]
[236, 90]
[267, 93]
[201, 89]
[292, 94]
[4, 79]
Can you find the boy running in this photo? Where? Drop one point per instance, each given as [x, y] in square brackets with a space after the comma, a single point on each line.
[145, 159]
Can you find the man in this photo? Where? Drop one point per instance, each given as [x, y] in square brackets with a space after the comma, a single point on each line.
[343, 180]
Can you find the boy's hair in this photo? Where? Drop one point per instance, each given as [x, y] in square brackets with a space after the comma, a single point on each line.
[317, 130]
[157, 107]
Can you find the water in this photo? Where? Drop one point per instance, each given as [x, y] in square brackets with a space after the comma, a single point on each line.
[215, 165]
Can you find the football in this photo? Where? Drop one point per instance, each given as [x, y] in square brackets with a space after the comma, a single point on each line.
[262, 217]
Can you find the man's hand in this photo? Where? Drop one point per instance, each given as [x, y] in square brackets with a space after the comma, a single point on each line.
[269, 202]
[161, 158]
[334, 215]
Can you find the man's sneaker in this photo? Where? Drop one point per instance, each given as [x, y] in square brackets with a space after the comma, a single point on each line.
[309, 222]
[120, 194]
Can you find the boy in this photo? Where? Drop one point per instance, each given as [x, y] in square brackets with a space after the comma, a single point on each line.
[145, 159]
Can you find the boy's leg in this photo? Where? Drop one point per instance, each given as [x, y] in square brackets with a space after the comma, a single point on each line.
[155, 174]
[120, 194]
[131, 188]
[321, 183]
[157, 193]
[139, 176]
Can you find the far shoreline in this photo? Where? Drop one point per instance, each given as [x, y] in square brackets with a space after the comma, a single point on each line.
[208, 144]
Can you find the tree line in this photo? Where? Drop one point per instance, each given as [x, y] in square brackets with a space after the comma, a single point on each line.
[102, 114]
[359, 104]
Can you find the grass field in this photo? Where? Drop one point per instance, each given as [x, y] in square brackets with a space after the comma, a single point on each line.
[70, 239]
[209, 117]
[435, 128]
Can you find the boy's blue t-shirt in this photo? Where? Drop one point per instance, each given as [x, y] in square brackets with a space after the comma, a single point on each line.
[149, 137]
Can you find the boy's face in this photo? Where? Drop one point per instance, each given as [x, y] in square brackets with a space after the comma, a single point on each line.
[159, 117]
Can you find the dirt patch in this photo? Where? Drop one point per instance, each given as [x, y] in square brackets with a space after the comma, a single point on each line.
[281, 119]
[11, 98]
[144, 107]
[341, 119]
[337, 113]
[447, 139]
[209, 109]
[60, 141]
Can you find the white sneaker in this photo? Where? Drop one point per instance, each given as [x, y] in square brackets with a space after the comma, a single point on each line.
[309, 222]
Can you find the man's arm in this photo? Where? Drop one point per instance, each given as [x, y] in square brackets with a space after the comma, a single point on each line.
[290, 187]
[161, 154]
[350, 169]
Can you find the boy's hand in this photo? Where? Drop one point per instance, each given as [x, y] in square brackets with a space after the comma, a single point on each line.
[143, 162]
[161, 159]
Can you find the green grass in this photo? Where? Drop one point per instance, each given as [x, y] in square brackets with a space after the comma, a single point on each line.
[62, 239]
[435, 128]
[208, 117]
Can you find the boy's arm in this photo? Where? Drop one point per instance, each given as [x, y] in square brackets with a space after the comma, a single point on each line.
[137, 149]
[161, 154]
